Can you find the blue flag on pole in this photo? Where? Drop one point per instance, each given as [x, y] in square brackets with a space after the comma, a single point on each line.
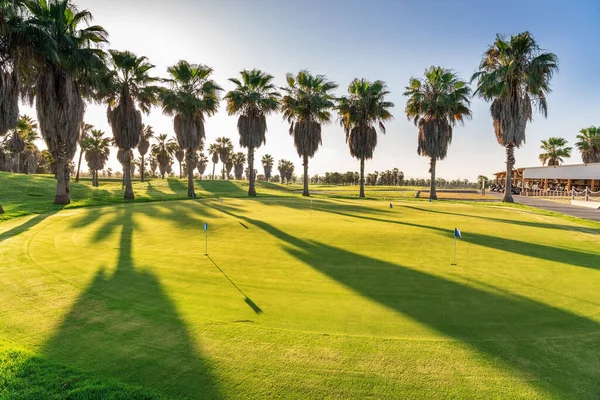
[457, 233]
[205, 226]
[391, 205]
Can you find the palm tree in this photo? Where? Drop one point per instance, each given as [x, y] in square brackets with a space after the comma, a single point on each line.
[192, 97]
[201, 164]
[225, 151]
[515, 76]
[144, 146]
[162, 151]
[213, 152]
[254, 97]
[66, 73]
[267, 163]
[23, 135]
[229, 164]
[129, 85]
[179, 154]
[364, 108]
[555, 151]
[97, 149]
[589, 144]
[435, 104]
[239, 159]
[306, 105]
[85, 131]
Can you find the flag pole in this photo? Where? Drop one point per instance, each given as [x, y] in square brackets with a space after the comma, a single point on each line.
[454, 263]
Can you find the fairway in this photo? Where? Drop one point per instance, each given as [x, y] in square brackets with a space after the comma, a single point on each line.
[329, 298]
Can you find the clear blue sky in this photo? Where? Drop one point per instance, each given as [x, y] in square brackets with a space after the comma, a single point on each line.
[387, 40]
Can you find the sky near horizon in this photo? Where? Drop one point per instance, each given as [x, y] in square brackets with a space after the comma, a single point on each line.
[345, 39]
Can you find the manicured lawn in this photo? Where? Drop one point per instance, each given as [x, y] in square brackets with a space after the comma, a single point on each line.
[329, 298]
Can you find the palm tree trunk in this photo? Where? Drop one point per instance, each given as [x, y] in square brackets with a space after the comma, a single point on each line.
[251, 189]
[305, 164]
[127, 180]
[213, 174]
[510, 162]
[62, 196]
[362, 177]
[142, 169]
[79, 165]
[432, 192]
[190, 172]
[180, 170]
[223, 172]
[1, 209]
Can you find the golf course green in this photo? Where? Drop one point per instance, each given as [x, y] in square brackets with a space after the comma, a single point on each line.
[299, 298]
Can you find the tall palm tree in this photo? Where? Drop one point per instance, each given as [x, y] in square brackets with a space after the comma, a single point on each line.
[97, 150]
[130, 91]
[144, 146]
[201, 164]
[225, 152]
[162, 150]
[213, 152]
[360, 112]
[229, 164]
[239, 159]
[589, 144]
[67, 72]
[254, 97]
[179, 154]
[435, 104]
[306, 105]
[191, 98]
[515, 76]
[85, 131]
[267, 163]
[555, 151]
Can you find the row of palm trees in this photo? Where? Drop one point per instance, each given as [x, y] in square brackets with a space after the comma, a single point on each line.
[555, 149]
[49, 58]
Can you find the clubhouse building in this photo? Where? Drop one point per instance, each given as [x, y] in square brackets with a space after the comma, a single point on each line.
[560, 177]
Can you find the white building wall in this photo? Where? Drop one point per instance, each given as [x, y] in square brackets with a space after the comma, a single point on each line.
[574, 172]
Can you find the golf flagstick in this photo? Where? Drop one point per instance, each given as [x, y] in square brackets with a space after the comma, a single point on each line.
[456, 236]
[206, 231]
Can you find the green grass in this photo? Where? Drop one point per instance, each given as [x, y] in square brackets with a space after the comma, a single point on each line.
[329, 298]
[26, 376]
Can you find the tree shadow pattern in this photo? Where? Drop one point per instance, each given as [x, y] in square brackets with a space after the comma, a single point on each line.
[555, 350]
[125, 326]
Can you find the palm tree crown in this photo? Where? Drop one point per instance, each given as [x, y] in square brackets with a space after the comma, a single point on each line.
[589, 144]
[555, 151]
[360, 112]
[254, 97]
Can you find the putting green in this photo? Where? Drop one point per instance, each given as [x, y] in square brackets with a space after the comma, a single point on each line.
[329, 298]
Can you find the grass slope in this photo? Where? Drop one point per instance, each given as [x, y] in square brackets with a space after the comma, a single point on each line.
[331, 298]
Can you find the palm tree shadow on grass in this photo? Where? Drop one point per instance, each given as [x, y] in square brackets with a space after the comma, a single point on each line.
[495, 323]
[223, 188]
[125, 326]
[30, 223]
[543, 252]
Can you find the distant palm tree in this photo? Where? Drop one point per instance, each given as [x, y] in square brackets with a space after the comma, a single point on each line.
[213, 152]
[162, 150]
[229, 164]
[225, 151]
[66, 72]
[589, 144]
[129, 85]
[555, 151]
[201, 164]
[267, 163]
[24, 133]
[254, 97]
[360, 112]
[144, 146]
[239, 159]
[306, 105]
[191, 98]
[85, 131]
[96, 148]
[515, 76]
[179, 154]
[435, 104]
[286, 170]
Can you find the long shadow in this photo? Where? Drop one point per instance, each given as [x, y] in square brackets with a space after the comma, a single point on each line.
[546, 346]
[247, 299]
[125, 326]
[507, 221]
[30, 223]
[544, 252]
[222, 188]
[176, 185]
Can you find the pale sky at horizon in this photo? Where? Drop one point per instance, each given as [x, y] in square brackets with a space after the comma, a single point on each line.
[387, 40]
